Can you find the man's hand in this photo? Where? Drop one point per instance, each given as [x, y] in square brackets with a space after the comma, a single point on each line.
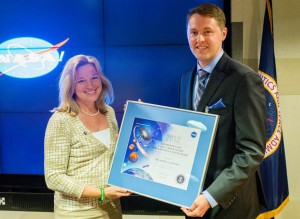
[198, 208]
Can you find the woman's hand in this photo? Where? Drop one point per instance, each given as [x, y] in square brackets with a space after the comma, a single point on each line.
[109, 192]
[113, 192]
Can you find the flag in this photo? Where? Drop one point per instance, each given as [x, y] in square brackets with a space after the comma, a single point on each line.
[273, 168]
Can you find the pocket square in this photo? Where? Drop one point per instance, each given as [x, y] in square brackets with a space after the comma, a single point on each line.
[219, 104]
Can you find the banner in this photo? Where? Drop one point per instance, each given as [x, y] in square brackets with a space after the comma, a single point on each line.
[273, 168]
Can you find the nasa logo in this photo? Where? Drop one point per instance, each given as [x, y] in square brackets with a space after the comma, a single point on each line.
[28, 57]
[193, 134]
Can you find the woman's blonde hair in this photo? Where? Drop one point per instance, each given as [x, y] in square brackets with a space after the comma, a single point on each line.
[67, 83]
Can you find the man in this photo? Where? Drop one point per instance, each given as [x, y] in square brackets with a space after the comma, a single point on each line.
[232, 188]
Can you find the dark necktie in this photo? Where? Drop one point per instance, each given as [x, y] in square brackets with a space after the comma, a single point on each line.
[202, 75]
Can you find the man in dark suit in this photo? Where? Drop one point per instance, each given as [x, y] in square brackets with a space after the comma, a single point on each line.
[235, 92]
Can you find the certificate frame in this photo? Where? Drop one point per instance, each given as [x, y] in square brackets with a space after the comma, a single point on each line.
[173, 192]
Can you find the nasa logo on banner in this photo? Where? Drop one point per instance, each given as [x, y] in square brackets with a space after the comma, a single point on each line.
[274, 135]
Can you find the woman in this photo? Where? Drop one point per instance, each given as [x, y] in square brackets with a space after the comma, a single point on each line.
[80, 142]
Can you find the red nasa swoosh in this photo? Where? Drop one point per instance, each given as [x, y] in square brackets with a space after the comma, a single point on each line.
[53, 48]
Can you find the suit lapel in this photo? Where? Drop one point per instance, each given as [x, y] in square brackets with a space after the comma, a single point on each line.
[216, 78]
[186, 89]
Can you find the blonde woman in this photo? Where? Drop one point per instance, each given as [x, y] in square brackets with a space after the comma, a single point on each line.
[79, 144]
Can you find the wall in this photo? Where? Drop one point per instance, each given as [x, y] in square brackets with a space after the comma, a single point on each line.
[286, 19]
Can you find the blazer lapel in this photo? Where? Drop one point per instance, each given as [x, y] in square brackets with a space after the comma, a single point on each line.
[216, 78]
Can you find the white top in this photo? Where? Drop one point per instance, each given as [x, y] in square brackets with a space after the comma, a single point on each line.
[103, 136]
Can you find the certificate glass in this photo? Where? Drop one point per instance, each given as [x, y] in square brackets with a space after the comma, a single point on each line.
[163, 152]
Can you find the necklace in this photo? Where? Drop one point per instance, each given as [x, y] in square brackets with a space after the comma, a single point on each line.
[95, 114]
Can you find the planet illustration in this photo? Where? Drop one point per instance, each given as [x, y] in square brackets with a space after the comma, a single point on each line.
[144, 134]
[137, 172]
[133, 157]
[131, 146]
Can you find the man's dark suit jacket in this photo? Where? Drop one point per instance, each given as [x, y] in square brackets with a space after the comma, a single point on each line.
[232, 178]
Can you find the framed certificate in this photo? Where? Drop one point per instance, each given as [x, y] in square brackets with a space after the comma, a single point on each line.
[163, 152]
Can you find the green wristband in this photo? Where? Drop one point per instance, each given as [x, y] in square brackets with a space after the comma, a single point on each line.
[101, 198]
